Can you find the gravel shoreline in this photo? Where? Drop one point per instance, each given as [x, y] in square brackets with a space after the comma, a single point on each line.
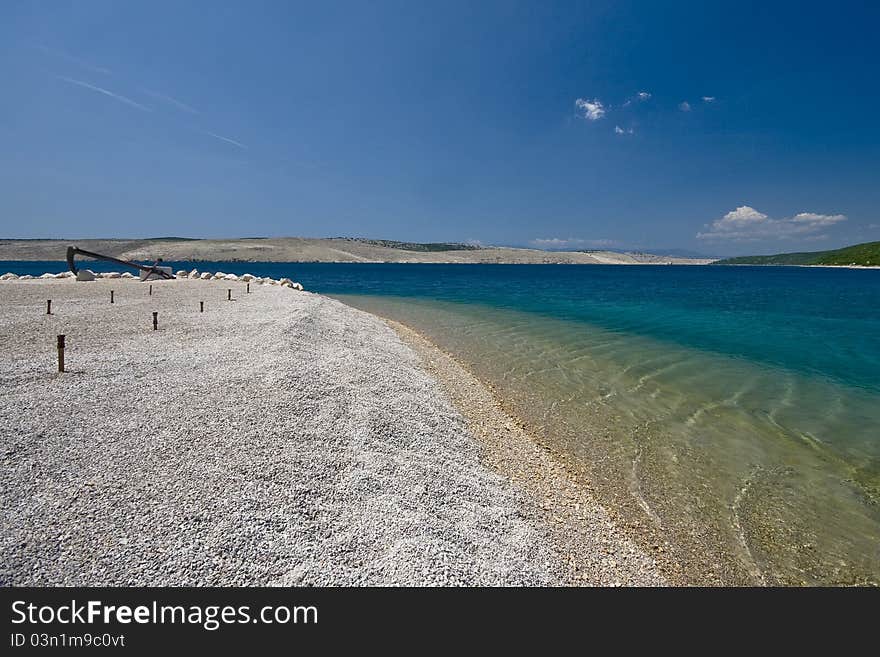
[280, 439]
[594, 549]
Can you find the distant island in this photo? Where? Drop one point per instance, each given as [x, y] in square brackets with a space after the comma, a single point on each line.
[858, 255]
[335, 249]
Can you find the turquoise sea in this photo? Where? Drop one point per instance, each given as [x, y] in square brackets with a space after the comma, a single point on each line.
[733, 412]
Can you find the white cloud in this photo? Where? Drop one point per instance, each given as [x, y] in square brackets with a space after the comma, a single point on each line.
[226, 139]
[179, 104]
[684, 106]
[593, 110]
[708, 99]
[620, 131]
[571, 242]
[746, 223]
[76, 60]
[813, 219]
[641, 97]
[121, 99]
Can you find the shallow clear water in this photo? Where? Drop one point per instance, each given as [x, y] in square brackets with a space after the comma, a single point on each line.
[733, 410]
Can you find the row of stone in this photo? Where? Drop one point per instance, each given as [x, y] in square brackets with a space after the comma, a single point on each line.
[88, 275]
[244, 278]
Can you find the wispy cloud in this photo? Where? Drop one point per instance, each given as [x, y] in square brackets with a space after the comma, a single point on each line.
[179, 104]
[571, 242]
[708, 99]
[106, 92]
[620, 131]
[641, 97]
[74, 60]
[226, 139]
[684, 106]
[745, 223]
[593, 110]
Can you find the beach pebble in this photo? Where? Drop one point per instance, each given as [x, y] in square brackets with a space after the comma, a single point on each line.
[311, 448]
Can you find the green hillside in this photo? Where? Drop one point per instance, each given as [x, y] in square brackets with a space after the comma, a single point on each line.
[864, 255]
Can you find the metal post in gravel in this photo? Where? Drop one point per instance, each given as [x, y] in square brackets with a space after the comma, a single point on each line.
[48, 306]
[151, 290]
[201, 306]
[229, 295]
[155, 320]
[248, 288]
[61, 353]
[111, 296]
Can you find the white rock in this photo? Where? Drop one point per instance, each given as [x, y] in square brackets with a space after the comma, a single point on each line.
[65, 274]
[230, 277]
[272, 281]
[85, 275]
[286, 282]
[126, 274]
[26, 277]
[112, 274]
[206, 276]
[219, 276]
[47, 275]
[182, 274]
[194, 273]
[247, 278]
[8, 277]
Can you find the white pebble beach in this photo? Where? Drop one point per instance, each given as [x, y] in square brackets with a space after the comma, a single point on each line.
[281, 438]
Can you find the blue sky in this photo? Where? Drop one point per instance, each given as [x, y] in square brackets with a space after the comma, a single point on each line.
[505, 123]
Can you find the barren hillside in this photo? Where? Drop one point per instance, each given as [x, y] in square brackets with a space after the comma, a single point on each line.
[300, 249]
